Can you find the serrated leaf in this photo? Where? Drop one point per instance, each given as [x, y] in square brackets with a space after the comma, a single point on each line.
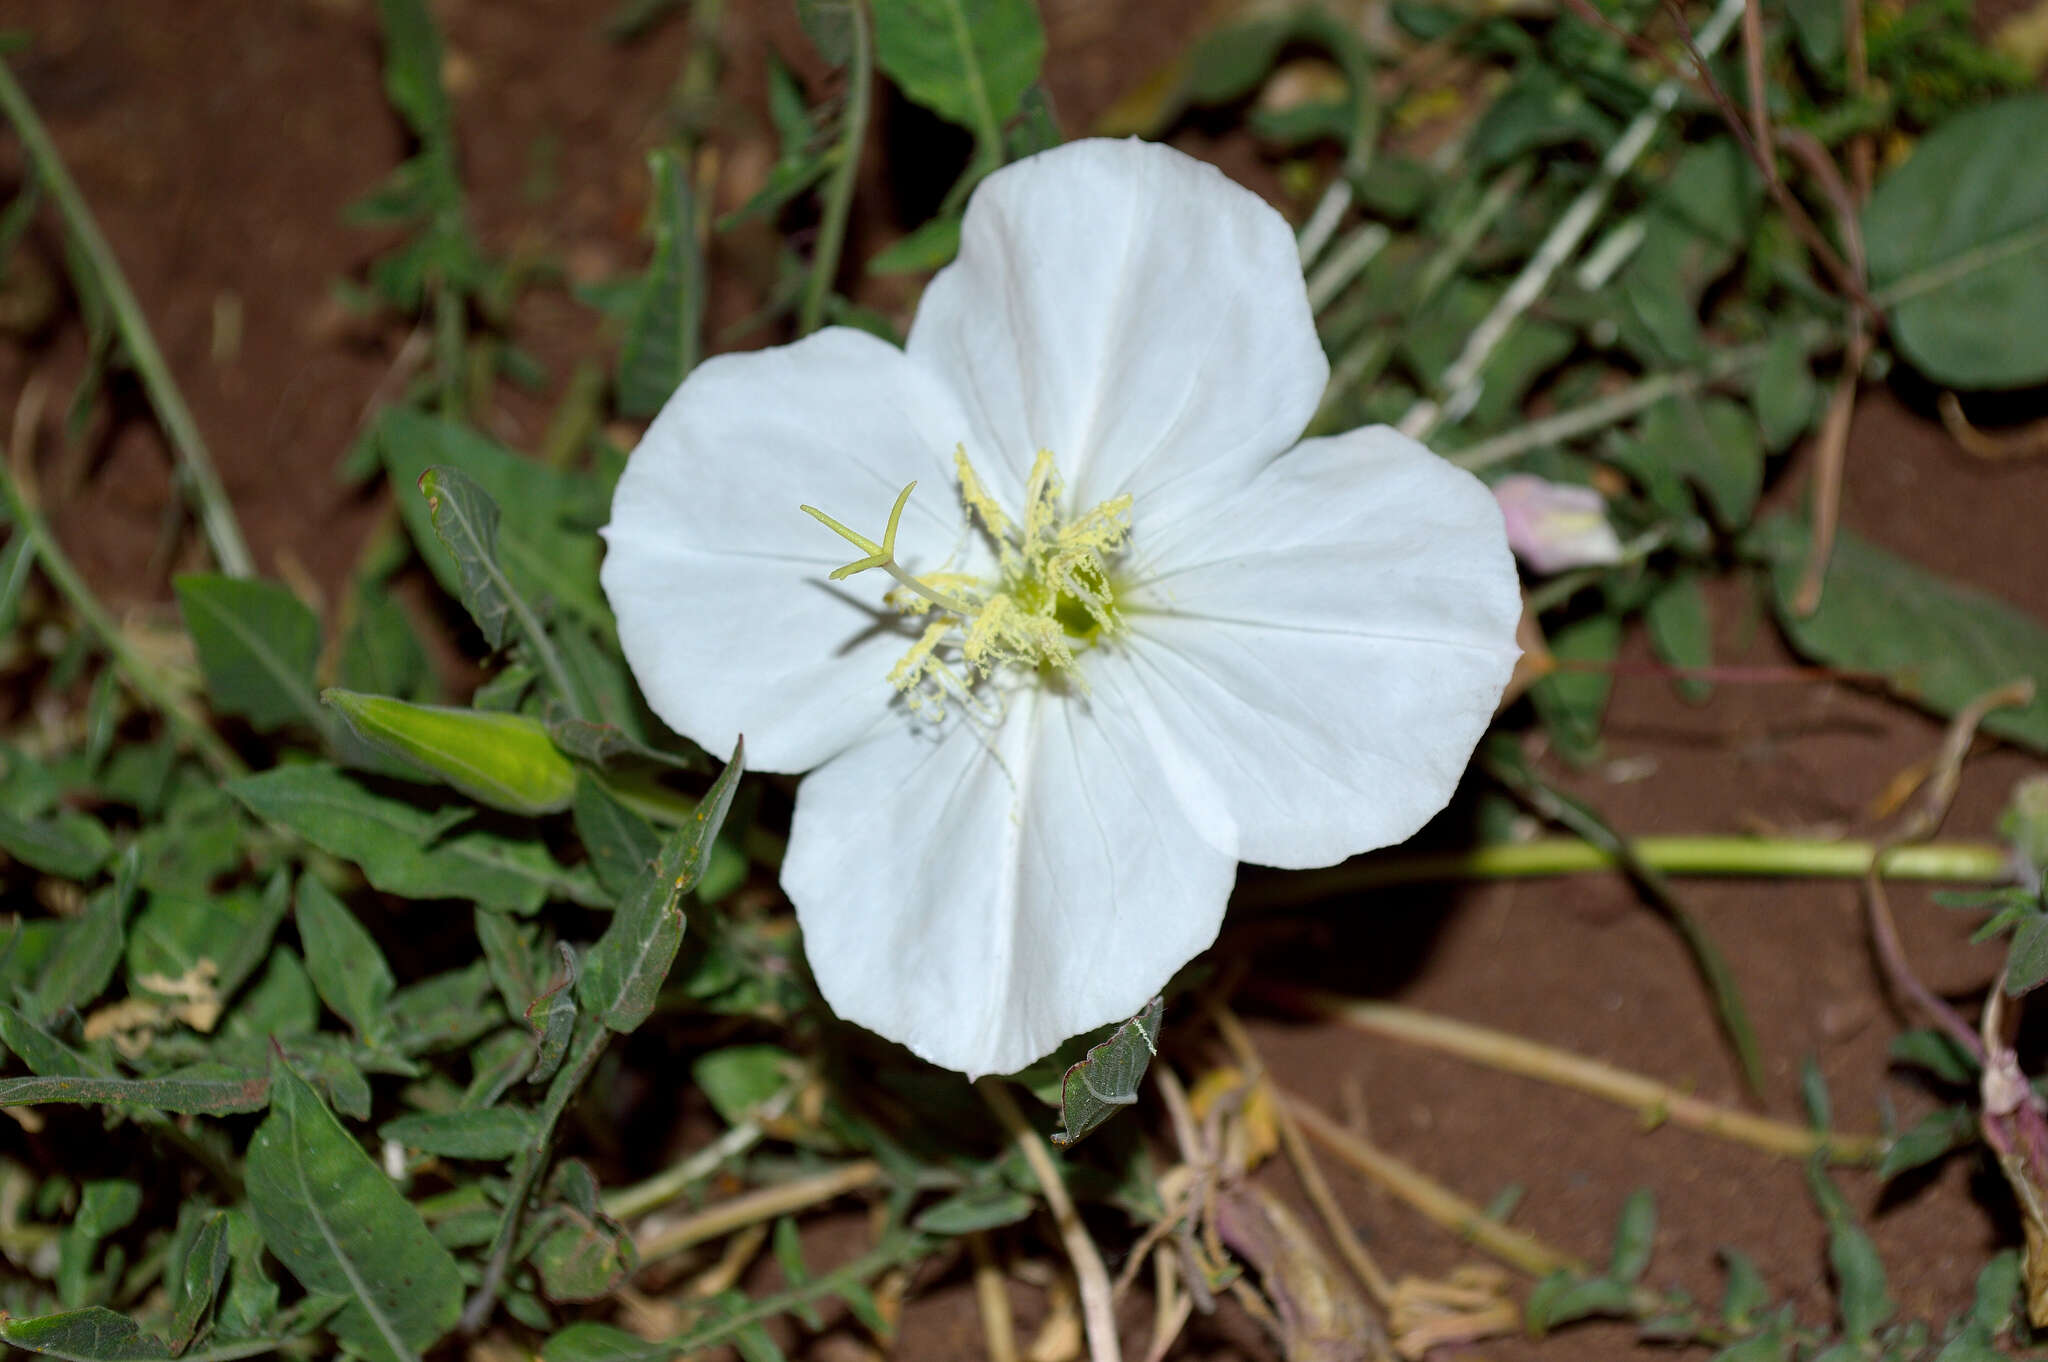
[405, 849]
[336, 1221]
[94, 1334]
[506, 761]
[1958, 237]
[258, 645]
[968, 61]
[490, 1133]
[623, 972]
[1937, 644]
[663, 331]
[1106, 1080]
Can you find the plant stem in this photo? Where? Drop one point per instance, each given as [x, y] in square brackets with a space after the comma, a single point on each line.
[1618, 406]
[1460, 384]
[202, 484]
[1438, 1203]
[1756, 857]
[900, 1248]
[839, 190]
[526, 1172]
[146, 682]
[763, 1204]
[1654, 1102]
[1098, 1312]
[629, 1203]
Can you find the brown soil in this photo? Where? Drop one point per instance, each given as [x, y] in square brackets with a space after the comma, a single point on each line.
[219, 143]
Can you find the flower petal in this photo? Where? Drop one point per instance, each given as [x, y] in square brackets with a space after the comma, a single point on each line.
[981, 897]
[1329, 647]
[719, 581]
[1135, 312]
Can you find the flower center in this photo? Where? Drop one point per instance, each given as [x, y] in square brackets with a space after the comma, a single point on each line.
[1050, 594]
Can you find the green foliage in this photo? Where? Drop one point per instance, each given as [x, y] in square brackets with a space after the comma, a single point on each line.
[1106, 1079]
[1958, 242]
[1936, 644]
[662, 329]
[341, 1227]
[505, 761]
[968, 61]
[257, 644]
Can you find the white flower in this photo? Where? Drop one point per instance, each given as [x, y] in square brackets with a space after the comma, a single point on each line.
[1133, 637]
[1555, 525]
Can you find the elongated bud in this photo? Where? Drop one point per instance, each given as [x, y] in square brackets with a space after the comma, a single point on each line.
[504, 760]
[1553, 526]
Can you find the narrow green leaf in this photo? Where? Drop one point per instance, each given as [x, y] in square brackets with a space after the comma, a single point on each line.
[1106, 1080]
[445, 1011]
[412, 69]
[407, 850]
[337, 1222]
[663, 332]
[1784, 392]
[1862, 1297]
[1936, 1052]
[1634, 1237]
[94, 1334]
[201, 1090]
[466, 521]
[347, 967]
[620, 843]
[491, 1133]
[1746, 1293]
[1937, 644]
[968, 61]
[504, 760]
[258, 645]
[1562, 1298]
[199, 1279]
[69, 844]
[967, 1212]
[1681, 632]
[1932, 1137]
[623, 972]
[89, 950]
[602, 1343]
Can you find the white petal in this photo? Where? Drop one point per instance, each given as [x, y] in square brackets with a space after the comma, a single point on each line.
[1135, 312]
[981, 898]
[1330, 645]
[719, 580]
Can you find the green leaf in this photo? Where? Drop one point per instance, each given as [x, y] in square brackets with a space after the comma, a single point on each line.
[412, 69]
[1634, 1237]
[336, 1221]
[70, 845]
[1818, 27]
[466, 522]
[1571, 703]
[1106, 1080]
[176, 934]
[445, 1011]
[1937, 644]
[281, 1003]
[201, 1090]
[1702, 216]
[1862, 1297]
[623, 972]
[985, 1209]
[543, 541]
[926, 248]
[1957, 241]
[504, 760]
[1932, 1137]
[739, 1078]
[1746, 1293]
[583, 1257]
[1681, 632]
[602, 1343]
[404, 849]
[1783, 392]
[258, 646]
[106, 1206]
[2026, 962]
[381, 653]
[1935, 1051]
[490, 1133]
[94, 1334]
[1562, 1298]
[1710, 442]
[621, 844]
[347, 968]
[79, 967]
[663, 332]
[829, 27]
[968, 61]
[198, 1279]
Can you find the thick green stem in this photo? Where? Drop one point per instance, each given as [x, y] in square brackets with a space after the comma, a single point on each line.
[839, 190]
[1749, 857]
[202, 484]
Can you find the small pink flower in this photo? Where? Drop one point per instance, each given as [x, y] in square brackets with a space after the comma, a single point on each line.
[1555, 525]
